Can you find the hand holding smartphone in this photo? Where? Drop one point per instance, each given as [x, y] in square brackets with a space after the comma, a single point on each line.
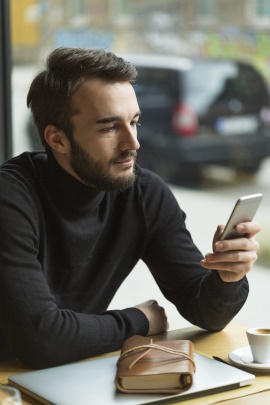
[244, 211]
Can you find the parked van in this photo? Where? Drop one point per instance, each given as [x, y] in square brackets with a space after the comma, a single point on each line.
[198, 112]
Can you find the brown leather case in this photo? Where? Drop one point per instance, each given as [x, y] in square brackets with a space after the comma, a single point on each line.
[155, 367]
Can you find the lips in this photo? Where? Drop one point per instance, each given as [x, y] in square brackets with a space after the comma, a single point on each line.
[126, 158]
[126, 161]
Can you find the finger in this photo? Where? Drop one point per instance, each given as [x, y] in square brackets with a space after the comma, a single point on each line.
[212, 259]
[245, 266]
[233, 265]
[236, 244]
[231, 272]
[248, 228]
[219, 230]
[218, 233]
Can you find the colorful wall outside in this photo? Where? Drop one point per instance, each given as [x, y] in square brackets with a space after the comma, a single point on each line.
[24, 23]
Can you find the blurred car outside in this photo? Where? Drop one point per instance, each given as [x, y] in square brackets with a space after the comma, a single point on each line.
[198, 112]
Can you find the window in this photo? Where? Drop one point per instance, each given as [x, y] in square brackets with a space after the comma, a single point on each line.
[121, 10]
[123, 7]
[260, 11]
[206, 10]
[262, 8]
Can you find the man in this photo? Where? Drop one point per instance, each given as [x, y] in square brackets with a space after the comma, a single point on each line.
[76, 219]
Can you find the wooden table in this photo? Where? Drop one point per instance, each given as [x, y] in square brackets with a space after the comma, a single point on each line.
[210, 344]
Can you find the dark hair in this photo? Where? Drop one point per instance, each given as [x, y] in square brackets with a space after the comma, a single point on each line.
[49, 96]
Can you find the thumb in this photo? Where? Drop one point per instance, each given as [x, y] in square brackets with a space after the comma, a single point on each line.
[218, 234]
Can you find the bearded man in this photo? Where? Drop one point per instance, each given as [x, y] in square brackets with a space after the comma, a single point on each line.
[76, 218]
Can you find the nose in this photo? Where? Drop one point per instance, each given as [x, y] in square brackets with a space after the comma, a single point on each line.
[129, 139]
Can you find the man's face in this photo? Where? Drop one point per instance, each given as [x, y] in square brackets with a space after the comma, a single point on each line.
[104, 144]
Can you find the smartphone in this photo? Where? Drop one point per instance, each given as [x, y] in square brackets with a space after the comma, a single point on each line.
[244, 211]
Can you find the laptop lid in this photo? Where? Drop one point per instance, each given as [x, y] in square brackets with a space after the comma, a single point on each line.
[92, 382]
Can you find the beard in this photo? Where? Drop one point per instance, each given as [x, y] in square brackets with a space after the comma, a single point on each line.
[96, 174]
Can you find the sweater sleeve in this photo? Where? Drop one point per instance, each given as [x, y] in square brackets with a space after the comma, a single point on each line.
[199, 294]
[32, 326]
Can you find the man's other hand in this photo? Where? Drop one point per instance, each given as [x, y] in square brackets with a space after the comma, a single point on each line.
[156, 316]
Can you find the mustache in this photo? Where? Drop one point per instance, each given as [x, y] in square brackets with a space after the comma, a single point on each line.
[124, 155]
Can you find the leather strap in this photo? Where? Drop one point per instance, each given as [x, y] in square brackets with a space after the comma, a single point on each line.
[153, 346]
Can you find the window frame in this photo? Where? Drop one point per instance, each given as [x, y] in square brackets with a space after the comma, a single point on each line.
[5, 83]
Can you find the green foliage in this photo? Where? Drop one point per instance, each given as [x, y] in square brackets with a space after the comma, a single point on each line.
[252, 47]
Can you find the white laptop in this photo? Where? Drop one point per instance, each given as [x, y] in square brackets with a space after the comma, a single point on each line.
[92, 382]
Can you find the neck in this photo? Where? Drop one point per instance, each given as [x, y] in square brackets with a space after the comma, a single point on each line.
[63, 161]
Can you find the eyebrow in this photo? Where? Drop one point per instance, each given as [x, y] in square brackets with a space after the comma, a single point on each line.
[113, 119]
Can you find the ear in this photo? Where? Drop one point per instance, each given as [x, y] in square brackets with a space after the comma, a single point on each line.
[56, 139]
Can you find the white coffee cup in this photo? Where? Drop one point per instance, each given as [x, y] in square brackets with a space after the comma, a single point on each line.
[259, 342]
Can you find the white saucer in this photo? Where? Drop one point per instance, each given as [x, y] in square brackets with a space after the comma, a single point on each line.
[242, 357]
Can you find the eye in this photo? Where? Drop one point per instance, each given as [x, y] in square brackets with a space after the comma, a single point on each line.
[135, 123]
[109, 129]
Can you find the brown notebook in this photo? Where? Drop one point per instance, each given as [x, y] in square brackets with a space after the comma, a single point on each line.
[147, 366]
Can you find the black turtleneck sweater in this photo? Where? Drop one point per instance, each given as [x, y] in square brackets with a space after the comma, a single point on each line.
[66, 248]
